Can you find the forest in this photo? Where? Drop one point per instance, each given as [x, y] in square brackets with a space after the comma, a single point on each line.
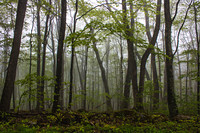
[99, 66]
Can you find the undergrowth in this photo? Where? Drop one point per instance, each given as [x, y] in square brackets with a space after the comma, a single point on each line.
[126, 121]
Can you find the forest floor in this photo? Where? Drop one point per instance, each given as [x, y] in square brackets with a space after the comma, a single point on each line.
[126, 121]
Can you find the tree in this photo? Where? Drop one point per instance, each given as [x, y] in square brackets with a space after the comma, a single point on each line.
[38, 107]
[103, 74]
[11, 71]
[44, 60]
[173, 109]
[72, 57]
[198, 59]
[152, 42]
[131, 76]
[30, 63]
[59, 69]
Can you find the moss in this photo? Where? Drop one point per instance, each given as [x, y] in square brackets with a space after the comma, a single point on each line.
[82, 121]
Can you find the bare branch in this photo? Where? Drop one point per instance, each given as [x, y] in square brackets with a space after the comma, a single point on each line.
[176, 10]
[182, 27]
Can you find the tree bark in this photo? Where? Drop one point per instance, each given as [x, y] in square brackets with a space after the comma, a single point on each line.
[180, 79]
[11, 71]
[103, 74]
[85, 77]
[121, 72]
[72, 58]
[186, 80]
[155, 82]
[38, 57]
[198, 60]
[146, 72]
[59, 69]
[30, 62]
[152, 42]
[131, 76]
[173, 109]
[44, 61]
[54, 59]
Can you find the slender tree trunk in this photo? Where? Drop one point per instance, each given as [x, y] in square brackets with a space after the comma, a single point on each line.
[198, 60]
[44, 61]
[126, 99]
[146, 72]
[131, 75]
[107, 56]
[81, 82]
[180, 79]
[54, 59]
[155, 82]
[186, 80]
[30, 63]
[152, 41]
[165, 77]
[59, 57]
[72, 58]
[38, 57]
[173, 109]
[62, 84]
[159, 69]
[85, 78]
[103, 74]
[121, 75]
[11, 71]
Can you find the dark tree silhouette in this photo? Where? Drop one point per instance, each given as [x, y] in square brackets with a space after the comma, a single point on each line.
[11, 71]
[59, 69]
[173, 109]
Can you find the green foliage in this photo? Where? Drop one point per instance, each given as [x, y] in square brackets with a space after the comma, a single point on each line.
[118, 122]
[31, 80]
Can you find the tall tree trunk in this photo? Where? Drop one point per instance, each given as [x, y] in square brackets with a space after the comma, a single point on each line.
[11, 71]
[131, 75]
[198, 60]
[186, 80]
[173, 109]
[54, 59]
[152, 42]
[62, 84]
[72, 58]
[165, 77]
[81, 83]
[60, 57]
[30, 63]
[107, 56]
[103, 74]
[44, 61]
[120, 104]
[84, 79]
[38, 57]
[180, 79]
[155, 82]
[127, 84]
[159, 70]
